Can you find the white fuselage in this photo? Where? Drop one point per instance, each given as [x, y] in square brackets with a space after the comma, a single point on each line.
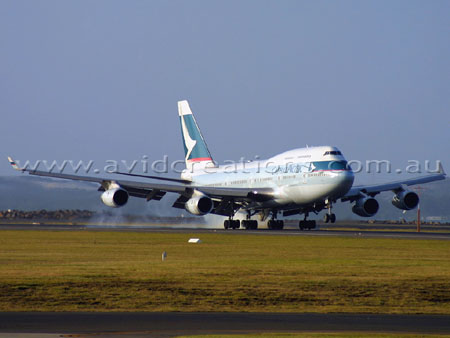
[298, 177]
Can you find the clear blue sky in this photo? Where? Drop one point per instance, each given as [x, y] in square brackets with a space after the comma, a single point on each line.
[101, 79]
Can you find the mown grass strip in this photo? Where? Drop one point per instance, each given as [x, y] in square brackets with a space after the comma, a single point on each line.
[123, 271]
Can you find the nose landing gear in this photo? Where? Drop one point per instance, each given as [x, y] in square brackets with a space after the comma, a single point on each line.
[329, 217]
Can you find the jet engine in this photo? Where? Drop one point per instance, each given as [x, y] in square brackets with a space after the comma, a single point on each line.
[365, 207]
[405, 200]
[199, 204]
[115, 198]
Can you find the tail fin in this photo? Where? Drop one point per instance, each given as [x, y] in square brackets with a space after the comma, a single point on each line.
[195, 148]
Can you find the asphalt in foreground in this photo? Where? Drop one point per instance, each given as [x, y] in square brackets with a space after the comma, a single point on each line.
[128, 324]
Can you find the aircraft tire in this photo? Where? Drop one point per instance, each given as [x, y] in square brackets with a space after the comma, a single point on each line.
[245, 224]
[254, 225]
[280, 225]
[236, 224]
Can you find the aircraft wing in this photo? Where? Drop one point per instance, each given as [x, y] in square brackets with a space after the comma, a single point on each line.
[396, 186]
[225, 199]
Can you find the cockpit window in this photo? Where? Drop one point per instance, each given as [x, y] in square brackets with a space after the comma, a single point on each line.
[331, 165]
[338, 165]
[332, 152]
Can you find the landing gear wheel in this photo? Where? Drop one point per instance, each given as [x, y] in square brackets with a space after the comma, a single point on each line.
[236, 224]
[250, 224]
[231, 224]
[332, 218]
[326, 218]
[307, 225]
[280, 225]
[275, 224]
[253, 225]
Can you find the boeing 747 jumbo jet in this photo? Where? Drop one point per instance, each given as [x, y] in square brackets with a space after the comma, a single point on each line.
[299, 181]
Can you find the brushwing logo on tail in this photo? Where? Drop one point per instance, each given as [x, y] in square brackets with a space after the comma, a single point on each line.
[188, 141]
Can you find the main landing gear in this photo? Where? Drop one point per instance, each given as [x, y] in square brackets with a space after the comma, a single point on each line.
[248, 224]
[305, 224]
[274, 223]
[232, 224]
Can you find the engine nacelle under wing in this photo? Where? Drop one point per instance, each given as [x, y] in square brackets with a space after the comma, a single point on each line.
[365, 207]
[405, 200]
[199, 205]
[115, 198]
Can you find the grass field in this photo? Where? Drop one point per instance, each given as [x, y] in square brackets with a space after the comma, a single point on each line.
[123, 271]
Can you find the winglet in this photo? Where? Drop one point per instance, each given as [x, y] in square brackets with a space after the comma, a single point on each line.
[441, 169]
[14, 164]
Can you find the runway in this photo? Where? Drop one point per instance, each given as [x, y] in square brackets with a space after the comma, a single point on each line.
[172, 324]
[198, 229]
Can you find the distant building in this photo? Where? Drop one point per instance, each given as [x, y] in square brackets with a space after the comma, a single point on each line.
[439, 219]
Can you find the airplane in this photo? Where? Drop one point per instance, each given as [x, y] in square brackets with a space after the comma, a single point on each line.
[296, 182]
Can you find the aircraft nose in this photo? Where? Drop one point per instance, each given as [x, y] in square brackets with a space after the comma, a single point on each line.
[348, 177]
[343, 183]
